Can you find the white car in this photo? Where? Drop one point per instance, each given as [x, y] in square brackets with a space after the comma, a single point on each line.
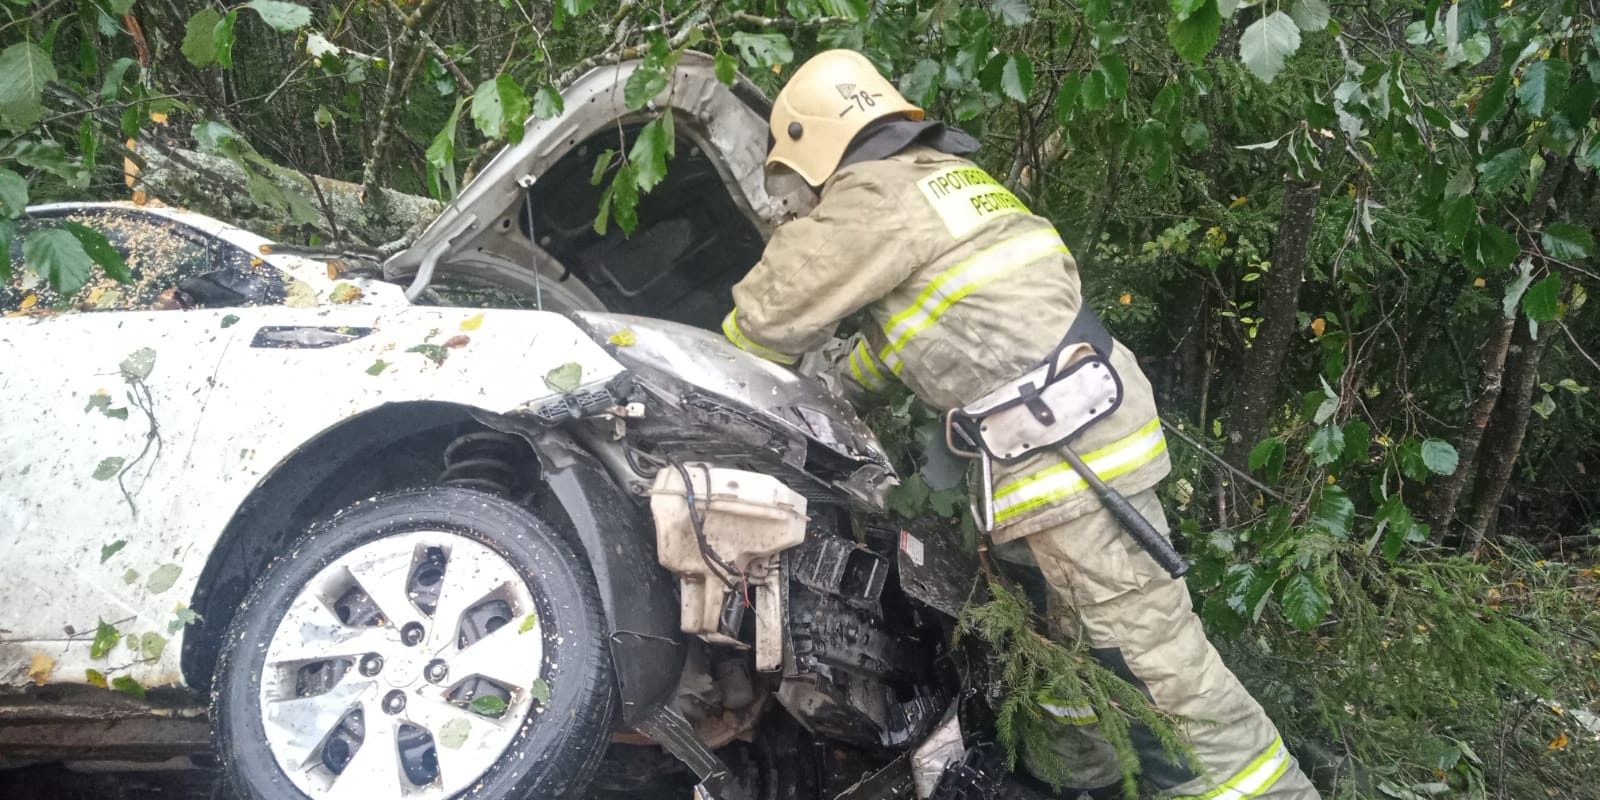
[396, 531]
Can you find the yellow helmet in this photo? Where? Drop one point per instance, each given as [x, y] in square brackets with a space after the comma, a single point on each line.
[827, 101]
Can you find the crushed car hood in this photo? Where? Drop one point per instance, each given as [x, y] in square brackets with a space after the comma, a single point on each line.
[712, 365]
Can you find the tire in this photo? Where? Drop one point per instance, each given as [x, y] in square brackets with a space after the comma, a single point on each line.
[296, 685]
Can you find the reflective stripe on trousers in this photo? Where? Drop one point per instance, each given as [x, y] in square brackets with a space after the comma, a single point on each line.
[1057, 481]
[730, 329]
[865, 368]
[961, 280]
[1074, 715]
[1256, 777]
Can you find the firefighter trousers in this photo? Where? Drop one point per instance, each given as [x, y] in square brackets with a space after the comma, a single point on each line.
[1139, 622]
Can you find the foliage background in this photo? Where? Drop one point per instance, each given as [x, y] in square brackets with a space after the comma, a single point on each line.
[1352, 241]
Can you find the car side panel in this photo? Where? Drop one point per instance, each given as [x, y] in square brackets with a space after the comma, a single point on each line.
[234, 393]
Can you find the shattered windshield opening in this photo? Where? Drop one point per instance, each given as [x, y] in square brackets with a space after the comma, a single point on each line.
[691, 245]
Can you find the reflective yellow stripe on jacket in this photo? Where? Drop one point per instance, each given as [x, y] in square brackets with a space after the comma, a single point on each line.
[961, 280]
[1254, 780]
[730, 329]
[864, 366]
[1057, 481]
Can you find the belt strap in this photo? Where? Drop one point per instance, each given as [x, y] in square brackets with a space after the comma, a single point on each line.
[1086, 327]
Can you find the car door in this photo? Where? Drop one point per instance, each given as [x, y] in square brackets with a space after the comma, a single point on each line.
[102, 391]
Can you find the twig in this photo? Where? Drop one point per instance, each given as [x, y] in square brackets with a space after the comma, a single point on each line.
[1239, 473]
[327, 210]
[1578, 347]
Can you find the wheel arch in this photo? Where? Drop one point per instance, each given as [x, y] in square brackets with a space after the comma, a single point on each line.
[408, 439]
[317, 478]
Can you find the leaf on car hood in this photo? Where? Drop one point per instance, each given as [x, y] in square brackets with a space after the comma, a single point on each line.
[108, 468]
[565, 378]
[472, 323]
[436, 353]
[139, 364]
[39, 669]
[624, 338]
[163, 578]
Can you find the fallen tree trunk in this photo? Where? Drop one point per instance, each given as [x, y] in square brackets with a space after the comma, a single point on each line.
[216, 186]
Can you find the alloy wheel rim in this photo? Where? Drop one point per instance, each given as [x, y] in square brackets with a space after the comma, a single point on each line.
[404, 668]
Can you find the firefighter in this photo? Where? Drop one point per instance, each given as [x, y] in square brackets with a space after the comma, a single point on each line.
[963, 289]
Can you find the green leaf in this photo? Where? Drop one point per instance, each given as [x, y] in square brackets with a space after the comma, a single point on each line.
[1016, 77]
[1543, 86]
[1439, 457]
[94, 243]
[1493, 99]
[1247, 588]
[8, 234]
[649, 153]
[128, 686]
[1567, 242]
[763, 50]
[222, 38]
[112, 85]
[199, 37]
[95, 677]
[601, 164]
[1333, 512]
[1196, 135]
[130, 576]
[921, 84]
[1268, 453]
[151, 645]
[108, 468]
[1304, 602]
[1591, 154]
[163, 578]
[1542, 299]
[441, 156]
[547, 102]
[436, 353]
[106, 637]
[727, 67]
[1357, 437]
[1460, 183]
[109, 550]
[488, 705]
[1396, 525]
[1012, 12]
[1326, 445]
[910, 498]
[1193, 36]
[183, 616]
[642, 87]
[564, 379]
[499, 108]
[1182, 9]
[25, 68]
[13, 197]
[530, 622]
[1116, 76]
[377, 367]
[540, 691]
[624, 197]
[1505, 167]
[283, 17]
[1267, 42]
[577, 7]
[1497, 247]
[1310, 15]
[230, 320]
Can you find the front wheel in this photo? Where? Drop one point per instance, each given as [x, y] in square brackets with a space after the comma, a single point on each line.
[430, 643]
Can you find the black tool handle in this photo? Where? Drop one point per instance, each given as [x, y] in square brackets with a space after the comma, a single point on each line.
[1132, 521]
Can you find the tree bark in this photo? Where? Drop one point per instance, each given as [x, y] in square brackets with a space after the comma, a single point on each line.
[1508, 426]
[1256, 395]
[1494, 363]
[1443, 509]
[188, 180]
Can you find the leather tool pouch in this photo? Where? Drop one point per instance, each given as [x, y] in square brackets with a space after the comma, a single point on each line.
[1050, 403]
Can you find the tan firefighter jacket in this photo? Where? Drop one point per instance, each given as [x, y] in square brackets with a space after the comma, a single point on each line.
[965, 289]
